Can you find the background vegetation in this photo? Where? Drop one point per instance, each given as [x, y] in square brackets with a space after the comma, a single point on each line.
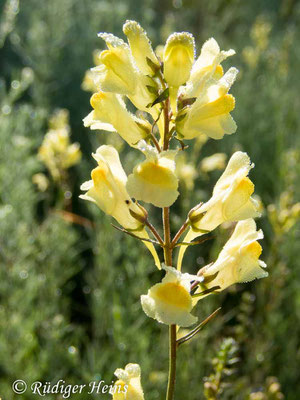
[69, 283]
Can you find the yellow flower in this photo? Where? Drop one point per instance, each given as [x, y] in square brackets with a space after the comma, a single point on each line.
[110, 114]
[118, 73]
[140, 47]
[231, 200]
[56, 151]
[154, 180]
[128, 386]
[207, 68]
[59, 120]
[216, 161]
[170, 301]
[239, 260]
[178, 58]
[41, 181]
[107, 189]
[210, 113]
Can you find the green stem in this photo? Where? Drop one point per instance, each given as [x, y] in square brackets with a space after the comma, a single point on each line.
[168, 249]
[167, 237]
[172, 328]
[172, 362]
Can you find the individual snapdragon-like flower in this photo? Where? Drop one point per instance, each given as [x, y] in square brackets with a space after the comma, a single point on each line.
[117, 73]
[110, 114]
[231, 200]
[128, 386]
[56, 151]
[210, 113]
[239, 260]
[170, 301]
[107, 189]
[154, 180]
[178, 58]
[206, 69]
[140, 47]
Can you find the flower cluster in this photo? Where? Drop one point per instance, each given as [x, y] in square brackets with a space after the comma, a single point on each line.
[56, 151]
[128, 386]
[177, 96]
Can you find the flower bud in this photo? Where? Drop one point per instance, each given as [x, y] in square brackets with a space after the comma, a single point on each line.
[140, 216]
[178, 58]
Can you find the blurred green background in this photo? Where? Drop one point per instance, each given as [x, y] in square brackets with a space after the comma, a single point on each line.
[69, 283]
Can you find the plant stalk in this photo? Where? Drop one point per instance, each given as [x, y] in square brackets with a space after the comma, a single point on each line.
[172, 362]
[172, 328]
[168, 249]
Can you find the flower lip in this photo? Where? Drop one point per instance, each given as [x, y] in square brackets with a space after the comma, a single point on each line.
[170, 301]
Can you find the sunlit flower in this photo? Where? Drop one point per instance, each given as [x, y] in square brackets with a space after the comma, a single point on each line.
[107, 189]
[206, 69]
[154, 180]
[239, 260]
[170, 301]
[128, 386]
[231, 200]
[140, 47]
[110, 114]
[210, 113]
[178, 58]
[117, 73]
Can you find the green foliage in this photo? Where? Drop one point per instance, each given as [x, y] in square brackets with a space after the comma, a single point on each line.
[223, 367]
[69, 294]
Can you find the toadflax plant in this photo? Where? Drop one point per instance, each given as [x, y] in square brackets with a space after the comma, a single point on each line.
[179, 98]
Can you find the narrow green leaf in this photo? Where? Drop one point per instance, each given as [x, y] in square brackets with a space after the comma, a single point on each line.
[162, 97]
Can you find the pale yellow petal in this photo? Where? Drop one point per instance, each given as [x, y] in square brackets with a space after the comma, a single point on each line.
[110, 111]
[154, 181]
[143, 234]
[140, 46]
[178, 58]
